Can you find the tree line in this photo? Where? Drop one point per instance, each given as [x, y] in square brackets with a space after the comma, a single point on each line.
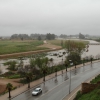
[47, 36]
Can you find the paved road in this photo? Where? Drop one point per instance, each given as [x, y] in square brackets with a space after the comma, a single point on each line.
[56, 90]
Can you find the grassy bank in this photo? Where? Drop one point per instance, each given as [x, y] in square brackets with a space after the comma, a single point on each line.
[93, 95]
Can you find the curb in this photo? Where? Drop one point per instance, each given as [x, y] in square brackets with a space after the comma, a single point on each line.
[73, 92]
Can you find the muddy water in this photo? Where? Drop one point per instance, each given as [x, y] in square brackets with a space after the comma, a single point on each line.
[94, 50]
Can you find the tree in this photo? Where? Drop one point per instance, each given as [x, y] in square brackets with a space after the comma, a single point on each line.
[51, 60]
[20, 65]
[73, 46]
[9, 87]
[20, 36]
[37, 35]
[39, 38]
[74, 50]
[75, 57]
[63, 36]
[81, 36]
[11, 65]
[29, 77]
[21, 62]
[38, 62]
[44, 67]
[44, 70]
[42, 64]
[32, 63]
[50, 36]
[46, 60]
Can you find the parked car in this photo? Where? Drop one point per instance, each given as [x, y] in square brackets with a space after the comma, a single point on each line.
[37, 91]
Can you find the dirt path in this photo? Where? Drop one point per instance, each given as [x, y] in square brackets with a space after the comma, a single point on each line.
[4, 81]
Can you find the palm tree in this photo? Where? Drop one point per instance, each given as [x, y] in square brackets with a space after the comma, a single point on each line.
[29, 77]
[38, 62]
[42, 64]
[46, 60]
[51, 60]
[9, 87]
[44, 70]
[32, 63]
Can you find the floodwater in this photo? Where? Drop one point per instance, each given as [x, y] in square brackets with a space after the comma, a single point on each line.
[94, 50]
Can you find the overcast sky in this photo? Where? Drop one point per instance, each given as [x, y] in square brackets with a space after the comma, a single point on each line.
[49, 16]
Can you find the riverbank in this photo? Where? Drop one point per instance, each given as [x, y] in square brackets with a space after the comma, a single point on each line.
[50, 47]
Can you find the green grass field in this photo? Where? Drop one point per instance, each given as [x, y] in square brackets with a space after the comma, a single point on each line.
[16, 46]
[55, 42]
[8, 47]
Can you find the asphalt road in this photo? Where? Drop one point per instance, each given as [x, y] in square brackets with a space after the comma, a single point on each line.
[57, 88]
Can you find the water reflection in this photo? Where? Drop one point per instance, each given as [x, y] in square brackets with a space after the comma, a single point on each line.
[75, 71]
[66, 76]
[44, 88]
[56, 80]
[83, 68]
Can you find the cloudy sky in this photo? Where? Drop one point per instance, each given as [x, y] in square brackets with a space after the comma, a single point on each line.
[49, 16]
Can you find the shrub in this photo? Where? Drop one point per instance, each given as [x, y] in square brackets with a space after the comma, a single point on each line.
[14, 76]
[78, 95]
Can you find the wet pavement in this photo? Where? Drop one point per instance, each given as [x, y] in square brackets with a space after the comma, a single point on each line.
[58, 87]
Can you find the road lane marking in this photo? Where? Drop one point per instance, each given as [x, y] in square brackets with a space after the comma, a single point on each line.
[79, 88]
[63, 82]
[59, 85]
[71, 95]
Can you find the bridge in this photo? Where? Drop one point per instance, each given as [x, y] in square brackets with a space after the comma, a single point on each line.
[94, 43]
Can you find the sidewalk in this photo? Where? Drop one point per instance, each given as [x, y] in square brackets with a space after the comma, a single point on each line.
[72, 95]
[37, 82]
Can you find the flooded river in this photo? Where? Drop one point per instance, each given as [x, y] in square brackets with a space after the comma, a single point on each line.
[94, 50]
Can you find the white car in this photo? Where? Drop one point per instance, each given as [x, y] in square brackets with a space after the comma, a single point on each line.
[37, 91]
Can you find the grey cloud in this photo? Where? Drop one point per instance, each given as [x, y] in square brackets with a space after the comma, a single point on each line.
[55, 16]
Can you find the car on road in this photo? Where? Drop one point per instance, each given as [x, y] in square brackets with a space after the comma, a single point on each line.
[36, 91]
